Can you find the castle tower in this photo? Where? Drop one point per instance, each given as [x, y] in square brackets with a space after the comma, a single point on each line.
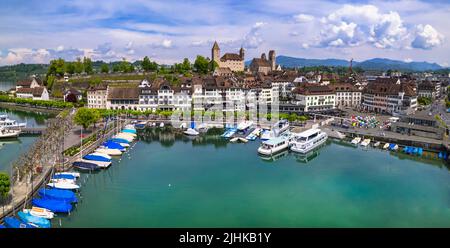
[263, 56]
[272, 59]
[215, 53]
[241, 53]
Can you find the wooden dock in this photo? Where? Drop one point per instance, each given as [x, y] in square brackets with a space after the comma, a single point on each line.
[33, 130]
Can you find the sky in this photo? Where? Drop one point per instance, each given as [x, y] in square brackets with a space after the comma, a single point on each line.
[36, 31]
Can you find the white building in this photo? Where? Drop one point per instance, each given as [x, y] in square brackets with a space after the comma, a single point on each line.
[312, 97]
[97, 97]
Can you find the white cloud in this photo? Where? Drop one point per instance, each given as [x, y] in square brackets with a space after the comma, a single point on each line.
[253, 39]
[294, 33]
[60, 48]
[167, 43]
[427, 37]
[354, 25]
[408, 60]
[303, 18]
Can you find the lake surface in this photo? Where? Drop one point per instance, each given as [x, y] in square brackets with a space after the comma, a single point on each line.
[5, 86]
[167, 182]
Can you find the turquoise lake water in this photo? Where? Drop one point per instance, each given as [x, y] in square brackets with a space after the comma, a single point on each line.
[167, 182]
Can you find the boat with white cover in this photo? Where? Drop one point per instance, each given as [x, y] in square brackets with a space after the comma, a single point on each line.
[40, 212]
[365, 142]
[125, 137]
[113, 152]
[356, 140]
[386, 146]
[63, 185]
[244, 125]
[191, 132]
[102, 164]
[75, 174]
[308, 140]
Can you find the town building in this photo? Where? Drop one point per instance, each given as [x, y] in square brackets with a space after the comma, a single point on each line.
[347, 95]
[32, 82]
[73, 93]
[97, 96]
[36, 93]
[420, 124]
[233, 61]
[122, 98]
[315, 98]
[429, 89]
[390, 95]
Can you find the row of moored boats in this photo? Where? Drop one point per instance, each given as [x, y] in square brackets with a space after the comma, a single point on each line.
[59, 196]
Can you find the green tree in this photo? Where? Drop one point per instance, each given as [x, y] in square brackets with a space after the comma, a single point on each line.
[50, 81]
[186, 66]
[146, 64]
[78, 66]
[87, 64]
[70, 68]
[201, 64]
[213, 65]
[5, 184]
[57, 67]
[116, 68]
[104, 68]
[86, 117]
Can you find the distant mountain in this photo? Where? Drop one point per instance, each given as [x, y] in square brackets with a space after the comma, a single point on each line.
[371, 64]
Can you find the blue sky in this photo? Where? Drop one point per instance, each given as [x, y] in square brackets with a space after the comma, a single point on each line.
[167, 31]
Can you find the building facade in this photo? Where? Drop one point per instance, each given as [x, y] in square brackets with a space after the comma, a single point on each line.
[315, 98]
[97, 96]
[347, 95]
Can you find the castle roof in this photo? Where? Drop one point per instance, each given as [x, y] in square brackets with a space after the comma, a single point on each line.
[231, 56]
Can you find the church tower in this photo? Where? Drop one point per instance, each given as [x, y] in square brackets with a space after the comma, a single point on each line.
[272, 59]
[215, 56]
[241, 53]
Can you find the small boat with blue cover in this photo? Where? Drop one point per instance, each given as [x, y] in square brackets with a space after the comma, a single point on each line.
[85, 166]
[38, 221]
[97, 157]
[59, 194]
[13, 222]
[113, 145]
[133, 131]
[52, 205]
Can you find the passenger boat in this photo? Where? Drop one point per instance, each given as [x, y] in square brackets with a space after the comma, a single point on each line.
[273, 146]
[58, 194]
[31, 219]
[308, 140]
[244, 125]
[191, 132]
[365, 142]
[7, 123]
[9, 133]
[13, 222]
[356, 140]
[86, 166]
[63, 185]
[112, 152]
[40, 212]
[52, 205]
[386, 146]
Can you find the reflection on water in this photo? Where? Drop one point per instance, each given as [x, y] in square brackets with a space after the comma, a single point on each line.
[32, 118]
[274, 157]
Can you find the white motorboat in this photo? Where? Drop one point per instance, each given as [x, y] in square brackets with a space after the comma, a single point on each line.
[238, 139]
[8, 123]
[386, 146]
[112, 152]
[395, 148]
[75, 174]
[244, 125]
[267, 134]
[377, 144]
[273, 146]
[63, 180]
[356, 140]
[101, 164]
[365, 142]
[9, 133]
[308, 140]
[63, 185]
[191, 132]
[161, 124]
[40, 212]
